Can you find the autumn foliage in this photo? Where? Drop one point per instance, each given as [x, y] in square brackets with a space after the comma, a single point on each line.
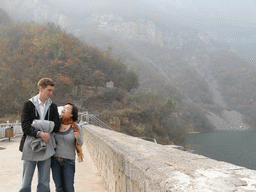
[30, 51]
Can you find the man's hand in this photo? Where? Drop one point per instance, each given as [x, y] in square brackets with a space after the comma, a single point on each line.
[45, 136]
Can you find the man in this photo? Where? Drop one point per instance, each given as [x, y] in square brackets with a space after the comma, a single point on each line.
[39, 107]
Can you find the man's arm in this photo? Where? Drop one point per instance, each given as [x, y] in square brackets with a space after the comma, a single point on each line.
[27, 118]
[56, 118]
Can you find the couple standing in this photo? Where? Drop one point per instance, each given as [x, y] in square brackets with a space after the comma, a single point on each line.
[49, 141]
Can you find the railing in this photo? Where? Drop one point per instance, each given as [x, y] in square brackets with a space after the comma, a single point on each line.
[86, 118]
[16, 128]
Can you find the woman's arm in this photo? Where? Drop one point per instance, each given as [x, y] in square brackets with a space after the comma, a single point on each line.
[80, 139]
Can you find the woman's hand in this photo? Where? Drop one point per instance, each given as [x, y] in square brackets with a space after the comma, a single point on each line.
[77, 135]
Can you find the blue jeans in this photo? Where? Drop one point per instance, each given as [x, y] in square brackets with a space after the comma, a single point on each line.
[43, 175]
[63, 174]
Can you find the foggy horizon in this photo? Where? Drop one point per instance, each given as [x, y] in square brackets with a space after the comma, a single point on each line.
[218, 18]
[195, 13]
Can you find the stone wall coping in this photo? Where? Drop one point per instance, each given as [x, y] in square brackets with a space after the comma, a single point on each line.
[155, 167]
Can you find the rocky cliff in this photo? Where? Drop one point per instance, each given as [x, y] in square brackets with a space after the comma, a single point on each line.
[193, 45]
[35, 10]
[147, 30]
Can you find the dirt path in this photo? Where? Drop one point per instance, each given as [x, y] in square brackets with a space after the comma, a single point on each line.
[87, 178]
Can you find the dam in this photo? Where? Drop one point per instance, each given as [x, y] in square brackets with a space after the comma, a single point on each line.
[131, 164]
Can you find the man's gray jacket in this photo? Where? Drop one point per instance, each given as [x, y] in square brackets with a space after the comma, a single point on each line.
[36, 149]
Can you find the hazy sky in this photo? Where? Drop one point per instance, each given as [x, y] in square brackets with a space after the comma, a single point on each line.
[200, 13]
[213, 12]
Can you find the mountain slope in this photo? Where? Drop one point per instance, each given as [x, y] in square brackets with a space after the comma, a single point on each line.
[208, 75]
[188, 59]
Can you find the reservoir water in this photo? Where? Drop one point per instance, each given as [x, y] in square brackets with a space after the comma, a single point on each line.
[236, 147]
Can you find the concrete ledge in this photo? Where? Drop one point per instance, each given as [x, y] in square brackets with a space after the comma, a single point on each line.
[134, 165]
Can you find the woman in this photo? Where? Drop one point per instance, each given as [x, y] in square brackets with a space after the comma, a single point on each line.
[67, 139]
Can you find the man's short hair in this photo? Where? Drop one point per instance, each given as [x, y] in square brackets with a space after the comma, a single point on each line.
[44, 82]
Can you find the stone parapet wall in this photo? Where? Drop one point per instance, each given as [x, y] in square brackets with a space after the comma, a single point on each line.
[130, 164]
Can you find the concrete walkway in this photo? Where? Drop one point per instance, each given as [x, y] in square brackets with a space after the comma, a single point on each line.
[87, 178]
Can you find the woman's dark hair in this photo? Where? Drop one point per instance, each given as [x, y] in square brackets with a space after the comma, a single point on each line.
[74, 111]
